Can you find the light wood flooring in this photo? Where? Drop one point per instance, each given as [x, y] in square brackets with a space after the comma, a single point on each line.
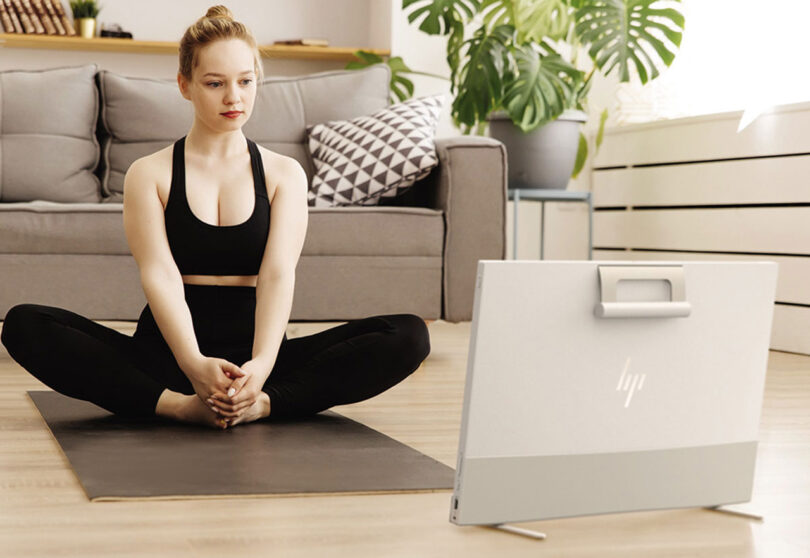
[45, 513]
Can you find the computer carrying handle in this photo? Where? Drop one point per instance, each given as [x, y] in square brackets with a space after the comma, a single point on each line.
[609, 307]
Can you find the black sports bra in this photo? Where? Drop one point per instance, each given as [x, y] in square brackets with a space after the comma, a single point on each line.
[200, 248]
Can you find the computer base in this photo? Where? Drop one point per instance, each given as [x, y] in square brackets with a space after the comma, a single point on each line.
[519, 531]
[748, 515]
[541, 536]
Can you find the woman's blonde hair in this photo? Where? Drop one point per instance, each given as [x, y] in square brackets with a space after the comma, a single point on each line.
[216, 24]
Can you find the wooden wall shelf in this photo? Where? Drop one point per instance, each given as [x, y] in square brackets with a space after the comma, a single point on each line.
[109, 44]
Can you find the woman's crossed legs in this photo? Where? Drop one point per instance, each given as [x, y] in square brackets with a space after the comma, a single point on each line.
[127, 375]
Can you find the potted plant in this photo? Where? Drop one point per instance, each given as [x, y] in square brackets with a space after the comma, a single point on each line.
[519, 73]
[84, 17]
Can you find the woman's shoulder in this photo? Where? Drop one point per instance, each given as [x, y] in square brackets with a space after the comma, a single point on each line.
[153, 171]
[157, 161]
[273, 159]
[276, 165]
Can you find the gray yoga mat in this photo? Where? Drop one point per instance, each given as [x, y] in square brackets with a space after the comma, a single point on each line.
[118, 458]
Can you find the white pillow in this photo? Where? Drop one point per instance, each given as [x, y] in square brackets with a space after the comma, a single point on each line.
[358, 161]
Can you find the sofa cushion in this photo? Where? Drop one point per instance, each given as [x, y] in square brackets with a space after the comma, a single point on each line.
[48, 145]
[374, 231]
[358, 161]
[41, 227]
[139, 116]
[144, 115]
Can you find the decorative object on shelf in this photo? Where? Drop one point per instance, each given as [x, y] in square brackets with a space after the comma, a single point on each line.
[361, 160]
[56, 11]
[303, 42]
[84, 17]
[521, 58]
[114, 30]
[9, 17]
[40, 17]
[401, 87]
[31, 17]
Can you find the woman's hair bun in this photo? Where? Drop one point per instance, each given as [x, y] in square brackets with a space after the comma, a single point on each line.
[219, 11]
[217, 24]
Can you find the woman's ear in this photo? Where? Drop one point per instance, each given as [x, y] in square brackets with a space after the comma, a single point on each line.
[183, 85]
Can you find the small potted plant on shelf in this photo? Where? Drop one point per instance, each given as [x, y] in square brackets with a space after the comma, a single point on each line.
[84, 17]
[518, 71]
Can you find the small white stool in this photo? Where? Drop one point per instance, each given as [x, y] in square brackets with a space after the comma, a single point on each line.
[543, 195]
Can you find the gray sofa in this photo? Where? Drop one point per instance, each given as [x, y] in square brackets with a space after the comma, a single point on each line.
[68, 136]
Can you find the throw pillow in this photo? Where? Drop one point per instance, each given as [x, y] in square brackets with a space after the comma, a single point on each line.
[48, 145]
[358, 161]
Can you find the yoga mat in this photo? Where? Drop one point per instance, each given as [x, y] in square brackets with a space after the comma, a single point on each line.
[119, 458]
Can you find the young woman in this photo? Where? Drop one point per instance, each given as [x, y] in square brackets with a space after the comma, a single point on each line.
[216, 224]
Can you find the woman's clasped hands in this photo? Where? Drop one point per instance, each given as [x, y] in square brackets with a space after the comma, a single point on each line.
[227, 389]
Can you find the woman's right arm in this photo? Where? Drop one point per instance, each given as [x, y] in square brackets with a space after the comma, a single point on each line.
[145, 230]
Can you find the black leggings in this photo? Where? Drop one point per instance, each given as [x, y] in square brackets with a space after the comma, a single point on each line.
[127, 374]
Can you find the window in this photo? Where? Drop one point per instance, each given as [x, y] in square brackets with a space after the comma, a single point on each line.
[734, 55]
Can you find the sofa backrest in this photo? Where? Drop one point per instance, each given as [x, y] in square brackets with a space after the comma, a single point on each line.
[48, 144]
[142, 115]
[70, 134]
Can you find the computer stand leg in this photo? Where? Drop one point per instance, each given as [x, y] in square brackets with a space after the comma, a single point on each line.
[519, 531]
[748, 515]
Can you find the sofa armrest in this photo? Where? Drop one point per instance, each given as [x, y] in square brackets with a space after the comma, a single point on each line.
[469, 185]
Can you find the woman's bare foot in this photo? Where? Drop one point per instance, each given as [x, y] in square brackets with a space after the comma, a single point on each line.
[259, 409]
[187, 408]
[195, 411]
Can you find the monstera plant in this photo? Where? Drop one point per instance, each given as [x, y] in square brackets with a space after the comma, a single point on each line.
[518, 58]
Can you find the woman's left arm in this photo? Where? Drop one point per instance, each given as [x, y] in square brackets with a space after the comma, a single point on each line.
[276, 281]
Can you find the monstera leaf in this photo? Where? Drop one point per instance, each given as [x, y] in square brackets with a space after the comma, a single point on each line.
[445, 17]
[533, 20]
[479, 84]
[541, 88]
[439, 15]
[455, 42]
[550, 19]
[621, 32]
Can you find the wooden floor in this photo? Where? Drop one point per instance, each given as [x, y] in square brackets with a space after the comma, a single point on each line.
[44, 512]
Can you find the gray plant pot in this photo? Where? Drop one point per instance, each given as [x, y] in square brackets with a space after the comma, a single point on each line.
[543, 158]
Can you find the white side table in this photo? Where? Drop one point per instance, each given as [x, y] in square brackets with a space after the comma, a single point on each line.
[543, 195]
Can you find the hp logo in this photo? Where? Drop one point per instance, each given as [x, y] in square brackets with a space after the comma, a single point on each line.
[630, 383]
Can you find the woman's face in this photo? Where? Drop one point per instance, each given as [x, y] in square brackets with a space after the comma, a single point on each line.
[223, 81]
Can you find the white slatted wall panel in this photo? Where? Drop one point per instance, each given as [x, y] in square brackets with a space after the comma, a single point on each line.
[694, 188]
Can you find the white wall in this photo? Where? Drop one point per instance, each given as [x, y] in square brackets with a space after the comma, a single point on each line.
[379, 23]
[424, 53]
[735, 55]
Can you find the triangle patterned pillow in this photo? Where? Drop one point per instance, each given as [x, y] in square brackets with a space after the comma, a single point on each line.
[358, 161]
